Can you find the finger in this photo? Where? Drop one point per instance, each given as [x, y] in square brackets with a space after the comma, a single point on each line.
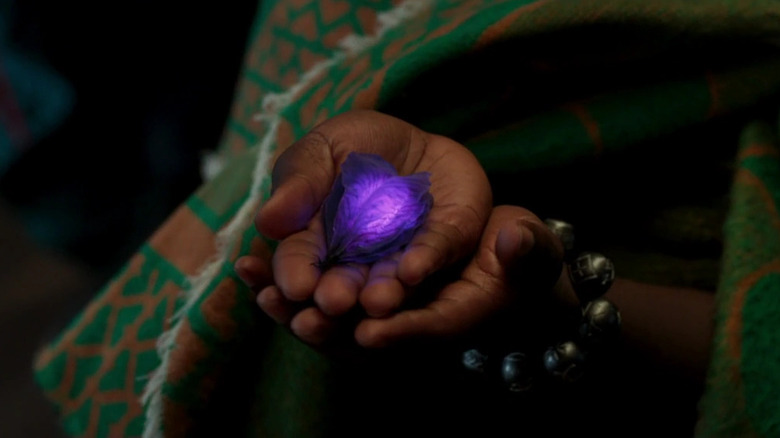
[383, 293]
[461, 207]
[312, 326]
[455, 311]
[304, 173]
[253, 271]
[529, 253]
[337, 290]
[275, 305]
[485, 287]
[295, 263]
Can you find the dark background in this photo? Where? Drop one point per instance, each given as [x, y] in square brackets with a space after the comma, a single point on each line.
[153, 82]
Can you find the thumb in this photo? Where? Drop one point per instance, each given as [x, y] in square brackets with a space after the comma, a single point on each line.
[517, 254]
[530, 256]
[301, 179]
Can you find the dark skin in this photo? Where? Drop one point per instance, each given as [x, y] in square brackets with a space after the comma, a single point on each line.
[497, 256]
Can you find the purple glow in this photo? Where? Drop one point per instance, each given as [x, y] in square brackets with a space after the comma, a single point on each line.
[371, 211]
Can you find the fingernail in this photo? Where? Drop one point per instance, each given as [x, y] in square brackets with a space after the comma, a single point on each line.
[512, 244]
[243, 274]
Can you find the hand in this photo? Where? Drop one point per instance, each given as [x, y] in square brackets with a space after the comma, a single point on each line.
[310, 301]
[518, 257]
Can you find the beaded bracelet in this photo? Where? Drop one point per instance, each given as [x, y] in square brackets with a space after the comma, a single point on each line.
[591, 275]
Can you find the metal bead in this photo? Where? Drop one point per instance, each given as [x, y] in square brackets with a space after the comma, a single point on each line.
[591, 275]
[566, 361]
[564, 231]
[600, 322]
[475, 361]
[517, 372]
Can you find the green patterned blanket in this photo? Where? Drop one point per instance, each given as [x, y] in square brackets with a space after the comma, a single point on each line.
[174, 344]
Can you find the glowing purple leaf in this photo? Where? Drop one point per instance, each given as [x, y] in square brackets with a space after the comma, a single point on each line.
[371, 211]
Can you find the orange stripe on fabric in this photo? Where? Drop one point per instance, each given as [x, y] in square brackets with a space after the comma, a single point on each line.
[713, 87]
[185, 241]
[497, 30]
[590, 124]
[759, 150]
[733, 325]
[747, 178]
[94, 416]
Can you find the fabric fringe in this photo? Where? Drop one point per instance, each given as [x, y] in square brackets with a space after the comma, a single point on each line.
[272, 107]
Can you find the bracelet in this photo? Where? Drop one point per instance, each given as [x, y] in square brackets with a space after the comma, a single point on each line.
[591, 275]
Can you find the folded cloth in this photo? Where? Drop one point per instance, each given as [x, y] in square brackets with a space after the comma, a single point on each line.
[174, 345]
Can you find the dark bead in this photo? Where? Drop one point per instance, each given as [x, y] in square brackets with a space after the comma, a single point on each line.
[564, 231]
[517, 372]
[475, 361]
[565, 361]
[591, 275]
[600, 322]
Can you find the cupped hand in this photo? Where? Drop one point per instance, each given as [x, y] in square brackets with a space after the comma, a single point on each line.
[311, 301]
[518, 262]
